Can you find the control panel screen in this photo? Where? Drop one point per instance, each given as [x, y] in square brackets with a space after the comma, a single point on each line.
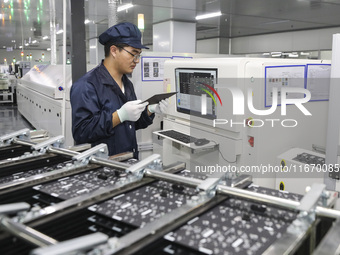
[195, 92]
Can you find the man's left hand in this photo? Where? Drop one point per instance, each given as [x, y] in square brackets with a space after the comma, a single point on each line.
[159, 108]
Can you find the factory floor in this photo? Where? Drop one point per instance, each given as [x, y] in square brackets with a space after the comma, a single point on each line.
[11, 120]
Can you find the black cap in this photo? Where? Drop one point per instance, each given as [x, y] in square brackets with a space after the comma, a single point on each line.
[123, 33]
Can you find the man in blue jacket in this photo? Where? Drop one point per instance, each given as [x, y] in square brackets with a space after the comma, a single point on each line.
[105, 108]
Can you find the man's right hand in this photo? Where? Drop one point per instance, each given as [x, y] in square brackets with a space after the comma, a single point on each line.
[131, 110]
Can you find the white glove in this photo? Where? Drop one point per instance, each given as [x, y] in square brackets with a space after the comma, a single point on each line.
[131, 110]
[160, 108]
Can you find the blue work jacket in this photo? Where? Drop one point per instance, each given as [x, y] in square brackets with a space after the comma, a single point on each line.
[94, 98]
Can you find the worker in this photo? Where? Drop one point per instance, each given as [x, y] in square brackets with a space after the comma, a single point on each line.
[105, 108]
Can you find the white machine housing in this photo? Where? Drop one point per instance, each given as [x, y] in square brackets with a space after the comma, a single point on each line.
[4, 82]
[40, 99]
[240, 145]
[298, 174]
[148, 80]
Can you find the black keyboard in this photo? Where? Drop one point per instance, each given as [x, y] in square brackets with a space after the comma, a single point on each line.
[179, 136]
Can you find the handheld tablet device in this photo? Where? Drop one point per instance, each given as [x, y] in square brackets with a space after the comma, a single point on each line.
[155, 99]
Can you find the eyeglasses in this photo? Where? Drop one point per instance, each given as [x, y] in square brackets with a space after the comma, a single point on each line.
[136, 57]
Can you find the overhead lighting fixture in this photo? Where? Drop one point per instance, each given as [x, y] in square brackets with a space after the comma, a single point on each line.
[293, 55]
[93, 47]
[124, 7]
[266, 54]
[141, 21]
[276, 54]
[34, 41]
[304, 53]
[26, 44]
[45, 37]
[276, 22]
[60, 31]
[48, 49]
[208, 15]
[87, 21]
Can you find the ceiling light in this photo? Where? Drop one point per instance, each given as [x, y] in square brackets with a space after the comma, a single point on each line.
[276, 54]
[266, 54]
[60, 31]
[26, 44]
[124, 7]
[305, 53]
[20, 47]
[48, 49]
[276, 22]
[93, 47]
[208, 15]
[45, 37]
[141, 21]
[34, 41]
[86, 21]
[293, 55]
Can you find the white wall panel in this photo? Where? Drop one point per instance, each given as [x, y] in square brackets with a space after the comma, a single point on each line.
[317, 39]
[207, 46]
[174, 36]
[184, 37]
[161, 37]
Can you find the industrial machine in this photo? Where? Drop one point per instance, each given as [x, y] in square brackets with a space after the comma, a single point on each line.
[40, 98]
[148, 80]
[43, 95]
[24, 67]
[223, 133]
[300, 169]
[236, 115]
[6, 93]
[60, 201]
[3, 81]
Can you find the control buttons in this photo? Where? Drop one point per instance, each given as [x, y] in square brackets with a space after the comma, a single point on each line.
[282, 186]
[251, 141]
[283, 164]
[250, 122]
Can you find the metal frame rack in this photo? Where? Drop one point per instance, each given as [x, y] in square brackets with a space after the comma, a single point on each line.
[144, 207]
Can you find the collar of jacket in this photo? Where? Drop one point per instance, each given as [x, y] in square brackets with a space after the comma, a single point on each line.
[106, 79]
